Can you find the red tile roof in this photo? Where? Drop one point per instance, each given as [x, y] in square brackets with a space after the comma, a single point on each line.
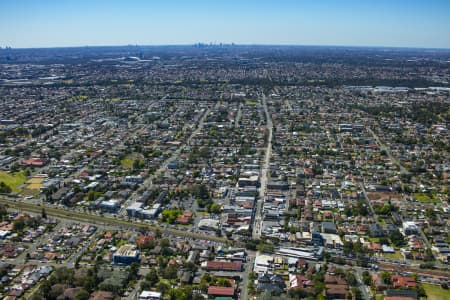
[38, 162]
[403, 281]
[221, 291]
[183, 220]
[224, 265]
[144, 239]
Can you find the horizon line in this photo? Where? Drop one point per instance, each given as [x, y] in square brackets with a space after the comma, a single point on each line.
[215, 44]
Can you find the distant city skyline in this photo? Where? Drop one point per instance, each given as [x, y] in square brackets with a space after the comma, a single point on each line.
[381, 23]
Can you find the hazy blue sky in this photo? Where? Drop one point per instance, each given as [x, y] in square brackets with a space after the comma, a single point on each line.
[45, 23]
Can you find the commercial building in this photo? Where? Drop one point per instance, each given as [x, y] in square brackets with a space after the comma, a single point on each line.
[304, 253]
[410, 228]
[223, 266]
[208, 224]
[221, 291]
[149, 295]
[126, 254]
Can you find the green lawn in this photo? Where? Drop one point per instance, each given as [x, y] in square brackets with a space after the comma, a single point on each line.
[13, 180]
[426, 198]
[435, 292]
[397, 255]
[251, 102]
[96, 195]
[128, 161]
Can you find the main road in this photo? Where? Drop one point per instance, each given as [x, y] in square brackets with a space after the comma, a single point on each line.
[257, 223]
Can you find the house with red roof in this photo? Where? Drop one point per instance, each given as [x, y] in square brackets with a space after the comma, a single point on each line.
[222, 266]
[144, 240]
[185, 218]
[35, 162]
[403, 281]
[221, 291]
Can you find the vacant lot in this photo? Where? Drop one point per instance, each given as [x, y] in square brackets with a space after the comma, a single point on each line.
[426, 198]
[35, 183]
[251, 102]
[128, 161]
[13, 180]
[435, 292]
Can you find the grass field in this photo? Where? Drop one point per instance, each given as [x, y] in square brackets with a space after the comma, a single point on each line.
[435, 292]
[13, 180]
[128, 161]
[34, 183]
[397, 255]
[251, 102]
[426, 198]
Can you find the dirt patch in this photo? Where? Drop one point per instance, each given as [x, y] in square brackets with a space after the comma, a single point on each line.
[35, 183]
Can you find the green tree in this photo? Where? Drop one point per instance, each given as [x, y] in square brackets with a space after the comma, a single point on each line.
[90, 283]
[356, 293]
[3, 211]
[162, 287]
[45, 287]
[164, 243]
[263, 247]
[19, 225]
[55, 291]
[152, 277]
[190, 266]
[215, 208]
[134, 270]
[170, 272]
[397, 238]
[145, 285]
[367, 278]
[4, 188]
[91, 195]
[203, 286]
[223, 282]
[170, 215]
[251, 288]
[177, 294]
[136, 164]
[351, 279]
[82, 295]
[386, 277]
[200, 190]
